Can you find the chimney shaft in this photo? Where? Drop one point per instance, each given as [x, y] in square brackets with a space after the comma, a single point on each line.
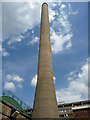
[45, 104]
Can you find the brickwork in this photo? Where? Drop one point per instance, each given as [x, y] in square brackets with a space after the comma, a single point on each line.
[6, 112]
[83, 113]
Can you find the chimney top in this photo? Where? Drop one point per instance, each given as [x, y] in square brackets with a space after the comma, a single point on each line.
[44, 3]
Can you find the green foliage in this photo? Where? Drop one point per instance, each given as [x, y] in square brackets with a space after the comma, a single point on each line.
[71, 116]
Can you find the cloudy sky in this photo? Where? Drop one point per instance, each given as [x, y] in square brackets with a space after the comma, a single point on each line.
[69, 42]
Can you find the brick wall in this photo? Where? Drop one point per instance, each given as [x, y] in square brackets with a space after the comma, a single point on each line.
[81, 114]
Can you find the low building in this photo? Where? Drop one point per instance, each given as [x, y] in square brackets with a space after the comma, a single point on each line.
[10, 112]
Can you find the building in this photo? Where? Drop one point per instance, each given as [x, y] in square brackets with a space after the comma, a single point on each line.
[77, 110]
[12, 107]
[10, 112]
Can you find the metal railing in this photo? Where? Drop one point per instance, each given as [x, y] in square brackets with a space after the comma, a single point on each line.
[20, 102]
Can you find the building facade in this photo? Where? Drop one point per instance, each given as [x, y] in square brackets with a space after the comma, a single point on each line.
[77, 110]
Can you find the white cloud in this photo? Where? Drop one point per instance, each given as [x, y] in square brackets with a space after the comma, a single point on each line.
[21, 17]
[35, 40]
[17, 38]
[77, 88]
[45, 1]
[24, 16]
[74, 13]
[89, 77]
[61, 31]
[52, 14]
[67, 95]
[9, 86]
[68, 45]
[19, 85]
[54, 78]
[14, 78]
[54, 4]
[71, 11]
[0, 48]
[4, 52]
[59, 41]
[32, 31]
[34, 80]
[12, 82]
[41, 1]
[62, 6]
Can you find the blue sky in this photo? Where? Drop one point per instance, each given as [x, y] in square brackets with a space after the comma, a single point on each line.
[69, 41]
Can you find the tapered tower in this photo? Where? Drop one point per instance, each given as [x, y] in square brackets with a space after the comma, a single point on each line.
[45, 104]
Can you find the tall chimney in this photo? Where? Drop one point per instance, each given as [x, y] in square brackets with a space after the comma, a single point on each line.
[45, 104]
